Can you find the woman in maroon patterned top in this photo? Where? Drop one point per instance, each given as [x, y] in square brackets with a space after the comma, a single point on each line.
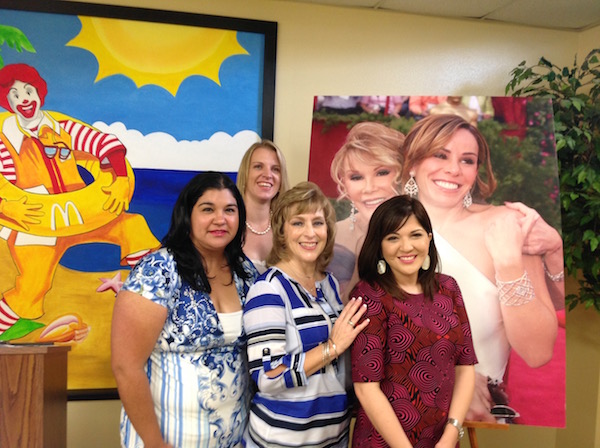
[412, 366]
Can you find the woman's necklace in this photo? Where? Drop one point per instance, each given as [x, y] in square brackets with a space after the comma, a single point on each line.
[308, 282]
[257, 232]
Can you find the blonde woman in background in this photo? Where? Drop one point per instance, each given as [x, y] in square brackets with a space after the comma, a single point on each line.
[367, 170]
[261, 177]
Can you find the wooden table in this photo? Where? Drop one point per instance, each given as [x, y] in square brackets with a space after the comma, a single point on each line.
[33, 396]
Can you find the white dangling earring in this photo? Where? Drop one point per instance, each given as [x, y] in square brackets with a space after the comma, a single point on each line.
[352, 215]
[467, 200]
[381, 267]
[426, 263]
[411, 188]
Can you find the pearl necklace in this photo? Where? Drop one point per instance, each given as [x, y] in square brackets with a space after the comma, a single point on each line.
[256, 232]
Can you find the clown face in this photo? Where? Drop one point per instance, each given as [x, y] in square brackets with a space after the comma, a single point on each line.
[25, 102]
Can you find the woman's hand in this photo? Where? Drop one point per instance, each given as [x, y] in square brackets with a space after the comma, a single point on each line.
[540, 237]
[346, 326]
[504, 241]
[479, 410]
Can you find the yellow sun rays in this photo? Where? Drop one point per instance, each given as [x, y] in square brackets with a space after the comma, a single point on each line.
[156, 53]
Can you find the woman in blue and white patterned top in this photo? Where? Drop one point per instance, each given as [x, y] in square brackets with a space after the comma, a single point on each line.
[178, 346]
[297, 330]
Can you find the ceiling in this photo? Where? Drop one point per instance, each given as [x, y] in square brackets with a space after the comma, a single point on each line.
[573, 15]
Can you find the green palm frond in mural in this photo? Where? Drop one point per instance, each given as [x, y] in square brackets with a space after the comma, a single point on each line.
[14, 38]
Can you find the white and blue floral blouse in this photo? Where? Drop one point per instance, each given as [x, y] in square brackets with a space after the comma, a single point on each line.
[199, 382]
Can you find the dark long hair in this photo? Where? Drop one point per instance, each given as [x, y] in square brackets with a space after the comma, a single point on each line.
[190, 264]
[387, 218]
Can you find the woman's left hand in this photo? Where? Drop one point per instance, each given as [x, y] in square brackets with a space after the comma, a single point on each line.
[504, 239]
[540, 237]
[346, 326]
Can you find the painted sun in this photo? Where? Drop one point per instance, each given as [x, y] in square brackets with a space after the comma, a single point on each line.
[156, 53]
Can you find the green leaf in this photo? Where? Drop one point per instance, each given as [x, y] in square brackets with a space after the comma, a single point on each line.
[578, 103]
[21, 328]
[576, 107]
[14, 38]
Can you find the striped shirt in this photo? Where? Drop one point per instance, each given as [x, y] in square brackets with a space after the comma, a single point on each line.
[282, 322]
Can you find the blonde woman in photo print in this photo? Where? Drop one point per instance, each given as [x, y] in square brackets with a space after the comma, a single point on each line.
[447, 166]
[367, 170]
[262, 176]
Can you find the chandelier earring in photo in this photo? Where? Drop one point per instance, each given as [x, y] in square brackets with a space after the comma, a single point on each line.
[467, 200]
[381, 267]
[352, 215]
[426, 263]
[410, 187]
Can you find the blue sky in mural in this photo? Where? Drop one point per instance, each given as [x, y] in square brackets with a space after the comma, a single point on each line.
[200, 108]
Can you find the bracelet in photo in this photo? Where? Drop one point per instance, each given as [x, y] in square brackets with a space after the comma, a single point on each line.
[515, 292]
[554, 277]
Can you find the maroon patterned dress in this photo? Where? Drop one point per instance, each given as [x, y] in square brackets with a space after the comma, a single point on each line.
[411, 347]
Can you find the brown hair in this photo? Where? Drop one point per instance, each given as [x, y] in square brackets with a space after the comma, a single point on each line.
[368, 142]
[387, 218]
[306, 197]
[432, 133]
[244, 169]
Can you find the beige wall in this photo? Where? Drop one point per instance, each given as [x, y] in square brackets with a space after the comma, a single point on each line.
[325, 50]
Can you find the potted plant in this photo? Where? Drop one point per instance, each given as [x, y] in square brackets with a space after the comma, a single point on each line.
[575, 93]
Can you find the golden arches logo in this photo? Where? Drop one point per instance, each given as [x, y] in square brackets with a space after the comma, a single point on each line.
[64, 212]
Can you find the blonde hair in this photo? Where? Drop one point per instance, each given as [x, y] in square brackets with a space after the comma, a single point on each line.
[368, 142]
[431, 134]
[306, 197]
[244, 169]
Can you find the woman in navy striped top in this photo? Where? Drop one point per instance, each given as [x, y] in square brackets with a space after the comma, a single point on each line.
[297, 330]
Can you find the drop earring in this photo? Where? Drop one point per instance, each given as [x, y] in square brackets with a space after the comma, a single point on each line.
[381, 267]
[467, 200]
[426, 263]
[352, 215]
[410, 187]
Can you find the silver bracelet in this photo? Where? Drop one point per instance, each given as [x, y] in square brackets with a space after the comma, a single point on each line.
[554, 277]
[334, 347]
[515, 292]
[457, 425]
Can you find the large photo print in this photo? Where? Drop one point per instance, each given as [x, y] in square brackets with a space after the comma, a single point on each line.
[106, 113]
[485, 169]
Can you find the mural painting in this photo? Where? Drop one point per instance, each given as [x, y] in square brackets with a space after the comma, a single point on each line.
[103, 121]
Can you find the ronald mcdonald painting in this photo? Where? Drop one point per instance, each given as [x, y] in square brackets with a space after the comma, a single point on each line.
[102, 121]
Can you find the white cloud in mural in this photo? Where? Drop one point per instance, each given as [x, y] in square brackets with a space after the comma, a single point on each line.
[159, 150]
